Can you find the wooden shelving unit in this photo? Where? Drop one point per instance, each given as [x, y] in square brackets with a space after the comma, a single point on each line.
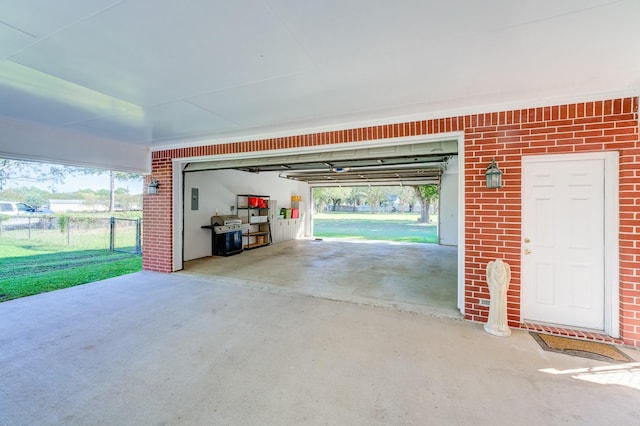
[254, 210]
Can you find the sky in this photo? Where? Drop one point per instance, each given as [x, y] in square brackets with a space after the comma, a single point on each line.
[75, 183]
[96, 182]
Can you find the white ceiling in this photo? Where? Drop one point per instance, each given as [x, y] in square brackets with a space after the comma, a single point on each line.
[159, 73]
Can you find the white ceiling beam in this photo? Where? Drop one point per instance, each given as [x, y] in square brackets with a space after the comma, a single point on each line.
[28, 141]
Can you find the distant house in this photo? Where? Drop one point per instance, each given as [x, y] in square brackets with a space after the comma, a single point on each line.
[67, 206]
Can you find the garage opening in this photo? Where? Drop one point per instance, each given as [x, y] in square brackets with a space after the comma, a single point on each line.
[381, 213]
[392, 274]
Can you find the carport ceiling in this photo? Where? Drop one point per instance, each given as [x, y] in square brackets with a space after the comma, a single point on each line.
[152, 74]
[409, 164]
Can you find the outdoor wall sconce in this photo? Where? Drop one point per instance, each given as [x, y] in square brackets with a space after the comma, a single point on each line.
[152, 188]
[493, 175]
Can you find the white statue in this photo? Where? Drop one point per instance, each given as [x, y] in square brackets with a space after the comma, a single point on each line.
[498, 277]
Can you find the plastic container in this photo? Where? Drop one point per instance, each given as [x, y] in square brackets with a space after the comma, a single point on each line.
[295, 213]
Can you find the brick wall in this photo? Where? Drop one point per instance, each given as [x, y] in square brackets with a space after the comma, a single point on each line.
[492, 217]
[157, 236]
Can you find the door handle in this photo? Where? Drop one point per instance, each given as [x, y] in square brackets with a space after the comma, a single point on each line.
[527, 251]
[527, 240]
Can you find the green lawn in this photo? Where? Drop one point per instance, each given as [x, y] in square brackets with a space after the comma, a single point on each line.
[79, 233]
[48, 262]
[30, 267]
[389, 227]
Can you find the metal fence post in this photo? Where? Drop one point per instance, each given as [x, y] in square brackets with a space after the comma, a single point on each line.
[138, 237]
[112, 226]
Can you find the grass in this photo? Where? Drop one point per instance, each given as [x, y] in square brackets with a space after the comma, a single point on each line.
[77, 234]
[51, 260]
[28, 267]
[388, 227]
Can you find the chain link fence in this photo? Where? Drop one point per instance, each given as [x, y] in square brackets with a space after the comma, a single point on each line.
[99, 233]
[126, 235]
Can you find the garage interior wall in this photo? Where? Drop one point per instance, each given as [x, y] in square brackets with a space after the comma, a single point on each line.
[217, 192]
[492, 218]
[448, 209]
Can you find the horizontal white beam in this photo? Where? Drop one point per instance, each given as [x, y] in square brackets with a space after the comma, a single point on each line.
[21, 140]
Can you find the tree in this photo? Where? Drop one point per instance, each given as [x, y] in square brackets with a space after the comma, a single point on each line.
[358, 197]
[376, 195]
[33, 196]
[406, 196]
[333, 196]
[29, 171]
[427, 195]
[113, 177]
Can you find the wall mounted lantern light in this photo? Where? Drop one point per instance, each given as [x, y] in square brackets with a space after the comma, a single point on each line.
[493, 175]
[152, 188]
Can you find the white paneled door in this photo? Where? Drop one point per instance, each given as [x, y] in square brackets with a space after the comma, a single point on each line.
[563, 259]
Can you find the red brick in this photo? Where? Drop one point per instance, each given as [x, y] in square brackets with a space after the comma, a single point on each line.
[493, 218]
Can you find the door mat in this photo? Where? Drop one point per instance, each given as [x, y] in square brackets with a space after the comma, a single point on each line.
[582, 348]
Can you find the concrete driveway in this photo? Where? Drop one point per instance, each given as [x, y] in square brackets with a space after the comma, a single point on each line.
[412, 277]
[160, 349]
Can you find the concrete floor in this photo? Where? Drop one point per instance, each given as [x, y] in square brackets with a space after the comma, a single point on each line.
[167, 349]
[419, 278]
